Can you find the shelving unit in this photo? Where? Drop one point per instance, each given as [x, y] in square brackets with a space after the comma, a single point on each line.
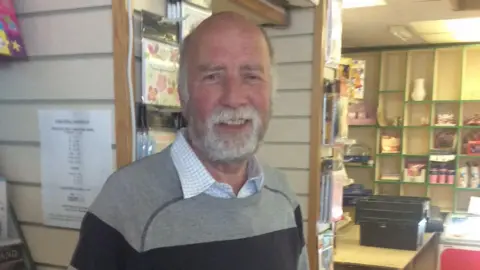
[452, 84]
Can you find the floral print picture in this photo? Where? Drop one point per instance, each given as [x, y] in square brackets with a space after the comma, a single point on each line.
[160, 69]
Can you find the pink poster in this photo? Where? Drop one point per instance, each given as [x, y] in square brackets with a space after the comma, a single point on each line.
[11, 42]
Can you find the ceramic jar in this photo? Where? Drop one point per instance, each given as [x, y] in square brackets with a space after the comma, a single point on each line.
[419, 93]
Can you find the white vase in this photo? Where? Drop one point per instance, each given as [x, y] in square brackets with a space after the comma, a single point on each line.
[419, 93]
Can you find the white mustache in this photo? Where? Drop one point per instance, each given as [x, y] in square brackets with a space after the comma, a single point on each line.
[227, 115]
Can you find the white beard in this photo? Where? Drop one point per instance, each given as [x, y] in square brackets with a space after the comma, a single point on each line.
[227, 147]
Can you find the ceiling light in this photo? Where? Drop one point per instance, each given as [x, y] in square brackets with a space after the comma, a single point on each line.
[401, 32]
[363, 3]
[456, 30]
[462, 29]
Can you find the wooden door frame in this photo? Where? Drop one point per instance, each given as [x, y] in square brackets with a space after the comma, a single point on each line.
[123, 121]
[316, 120]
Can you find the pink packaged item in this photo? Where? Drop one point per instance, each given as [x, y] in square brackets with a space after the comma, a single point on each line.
[11, 42]
[450, 179]
[434, 176]
[442, 175]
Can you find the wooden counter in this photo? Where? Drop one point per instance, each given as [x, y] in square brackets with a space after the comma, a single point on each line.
[349, 254]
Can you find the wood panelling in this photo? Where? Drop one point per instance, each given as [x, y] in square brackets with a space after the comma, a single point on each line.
[20, 162]
[292, 103]
[22, 119]
[297, 179]
[50, 245]
[290, 49]
[287, 140]
[268, 12]
[70, 67]
[68, 33]
[59, 78]
[294, 76]
[300, 23]
[27, 210]
[35, 6]
[295, 130]
[285, 155]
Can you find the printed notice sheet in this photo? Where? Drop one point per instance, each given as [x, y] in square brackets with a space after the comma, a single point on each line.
[76, 160]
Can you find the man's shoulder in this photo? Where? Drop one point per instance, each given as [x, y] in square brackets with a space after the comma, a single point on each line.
[136, 190]
[155, 172]
[276, 181]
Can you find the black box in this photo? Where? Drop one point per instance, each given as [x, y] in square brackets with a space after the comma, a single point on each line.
[393, 207]
[395, 234]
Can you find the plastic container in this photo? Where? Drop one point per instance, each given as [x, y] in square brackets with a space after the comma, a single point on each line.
[434, 176]
[442, 176]
[451, 177]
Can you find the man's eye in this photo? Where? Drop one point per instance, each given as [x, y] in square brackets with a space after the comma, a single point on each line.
[211, 77]
[252, 77]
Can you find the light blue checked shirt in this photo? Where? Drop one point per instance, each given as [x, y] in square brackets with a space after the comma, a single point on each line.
[195, 179]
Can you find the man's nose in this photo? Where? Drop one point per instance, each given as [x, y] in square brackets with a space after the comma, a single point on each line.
[233, 94]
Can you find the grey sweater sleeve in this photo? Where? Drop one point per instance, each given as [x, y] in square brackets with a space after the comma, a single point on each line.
[303, 263]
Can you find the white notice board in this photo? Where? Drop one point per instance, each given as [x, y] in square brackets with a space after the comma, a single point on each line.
[76, 160]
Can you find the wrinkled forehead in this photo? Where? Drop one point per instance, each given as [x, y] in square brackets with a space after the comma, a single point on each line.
[233, 45]
[226, 36]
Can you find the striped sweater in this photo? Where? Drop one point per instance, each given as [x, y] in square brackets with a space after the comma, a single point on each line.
[141, 221]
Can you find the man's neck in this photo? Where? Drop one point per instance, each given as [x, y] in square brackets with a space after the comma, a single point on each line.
[234, 175]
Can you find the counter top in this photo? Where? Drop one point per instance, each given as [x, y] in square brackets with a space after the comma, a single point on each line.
[349, 251]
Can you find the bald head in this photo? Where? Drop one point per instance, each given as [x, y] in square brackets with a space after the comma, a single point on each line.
[224, 22]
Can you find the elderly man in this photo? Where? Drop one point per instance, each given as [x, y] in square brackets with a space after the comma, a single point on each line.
[205, 202]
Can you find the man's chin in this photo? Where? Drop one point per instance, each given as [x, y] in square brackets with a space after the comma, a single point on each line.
[233, 150]
[231, 155]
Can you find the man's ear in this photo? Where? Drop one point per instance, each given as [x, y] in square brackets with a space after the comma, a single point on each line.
[185, 110]
[184, 115]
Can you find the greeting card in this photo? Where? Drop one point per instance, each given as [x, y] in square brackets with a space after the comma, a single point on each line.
[160, 67]
[11, 42]
[160, 60]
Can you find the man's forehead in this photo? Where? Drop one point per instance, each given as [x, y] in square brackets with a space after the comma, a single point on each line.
[243, 67]
[225, 19]
[228, 32]
[227, 29]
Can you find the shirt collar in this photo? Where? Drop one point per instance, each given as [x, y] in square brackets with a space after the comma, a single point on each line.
[194, 177]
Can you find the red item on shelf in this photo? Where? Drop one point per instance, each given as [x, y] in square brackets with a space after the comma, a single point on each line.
[473, 148]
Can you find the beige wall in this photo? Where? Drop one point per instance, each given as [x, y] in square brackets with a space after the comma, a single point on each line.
[71, 66]
[287, 141]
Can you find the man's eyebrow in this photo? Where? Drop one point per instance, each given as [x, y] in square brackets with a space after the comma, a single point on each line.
[252, 68]
[207, 67]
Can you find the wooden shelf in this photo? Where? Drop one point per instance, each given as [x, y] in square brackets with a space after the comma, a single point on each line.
[359, 166]
[452, 85]
[388, 181]
[362, 126]
[391, 91]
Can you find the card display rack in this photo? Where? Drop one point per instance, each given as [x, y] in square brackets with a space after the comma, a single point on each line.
[431, 130]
